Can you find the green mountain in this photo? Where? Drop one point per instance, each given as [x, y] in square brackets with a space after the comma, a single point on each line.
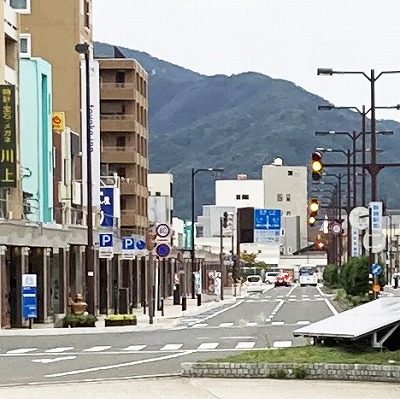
[241, 122]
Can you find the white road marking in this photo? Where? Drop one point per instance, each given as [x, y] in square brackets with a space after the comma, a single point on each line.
[277, 323]
[268, 320]
[171, 347]
[245, 345]
[279, 296]
[60, 350]
[282, 344]
[98, 348]
[305, 295]
[292, 300]
[199, 325]
[317, 295]
[306, 299]
[237, 303]
[331, 307]
[120, 365]
[243, 337]
[303, 322]
[21, 351]
[208, 345]
[277, 300]
[179, 328]
[250, 300]
[53, 360]
[134, 348]
[251, 324]
[226, 324]
[292, 296]
[291, 290]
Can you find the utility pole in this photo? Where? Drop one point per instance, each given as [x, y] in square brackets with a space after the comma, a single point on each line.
[221, 255]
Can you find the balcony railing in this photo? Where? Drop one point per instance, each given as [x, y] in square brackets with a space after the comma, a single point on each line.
[114, 85]
[118, 116]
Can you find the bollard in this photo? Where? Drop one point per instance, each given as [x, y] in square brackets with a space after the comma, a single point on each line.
[198, 299]
[183, 303]
[162, 307]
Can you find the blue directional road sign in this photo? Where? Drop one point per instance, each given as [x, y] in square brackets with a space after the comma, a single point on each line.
[267, 219]
[163, 250]
[376, 269]
[140, 245]
[29, 297]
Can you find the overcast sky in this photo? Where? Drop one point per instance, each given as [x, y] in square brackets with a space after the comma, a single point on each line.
[287, 39]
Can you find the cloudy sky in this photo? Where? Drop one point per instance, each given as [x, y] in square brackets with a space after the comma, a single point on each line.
[286, 39]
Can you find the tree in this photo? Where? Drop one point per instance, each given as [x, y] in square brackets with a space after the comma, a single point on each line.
[354, 276]
[248, 259]
[331, 276]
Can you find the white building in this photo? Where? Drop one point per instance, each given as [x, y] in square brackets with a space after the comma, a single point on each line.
[161, 202]
[239, 193]
[285, 188]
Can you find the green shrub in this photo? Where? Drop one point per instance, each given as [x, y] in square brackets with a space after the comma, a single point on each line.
[300, 372]
[72, 320]
[331, 276]
[280, 374]
[354, 276]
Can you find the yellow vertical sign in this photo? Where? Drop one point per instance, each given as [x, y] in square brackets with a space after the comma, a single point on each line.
[8, 142]
[58, 121]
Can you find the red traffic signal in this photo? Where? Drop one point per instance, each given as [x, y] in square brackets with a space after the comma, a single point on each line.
[316, 165]
[320, 245]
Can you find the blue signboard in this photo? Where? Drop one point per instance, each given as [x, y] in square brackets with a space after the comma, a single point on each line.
[140, 244]
[106, 240]
[107, 206]
[163, 250]
[29, 296]
[376, 269]
[267, 219]
[128, 243]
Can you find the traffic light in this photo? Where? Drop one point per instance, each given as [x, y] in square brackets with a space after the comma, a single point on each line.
[225, 220]
[316, 166]
[313, 208]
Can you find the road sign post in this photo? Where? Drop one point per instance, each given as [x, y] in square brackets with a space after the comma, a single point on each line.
[376, 270]
[106, 245]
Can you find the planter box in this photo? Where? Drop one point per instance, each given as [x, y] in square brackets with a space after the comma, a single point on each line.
[117, 323]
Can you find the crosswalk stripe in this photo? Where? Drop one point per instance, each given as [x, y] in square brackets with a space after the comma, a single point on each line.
[292, 300]
[208, 345]
[60, 350]
[277, 323]
[199, 325]
[245, 345]
[282, 344]
[306, 299]
[171, 347]
[134, 348]
[251, 324]
[21, 351]
[226, 324]
[98, 348]
[303, 322]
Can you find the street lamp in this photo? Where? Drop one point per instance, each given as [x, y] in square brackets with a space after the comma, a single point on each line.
[373, 167]
[84, 49]
[192, 250]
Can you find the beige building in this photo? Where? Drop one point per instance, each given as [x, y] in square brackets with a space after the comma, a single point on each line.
[124, 137]
[51, 31]
[285, 188]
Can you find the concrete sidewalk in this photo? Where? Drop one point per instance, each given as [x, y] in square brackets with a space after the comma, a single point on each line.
[172, 315]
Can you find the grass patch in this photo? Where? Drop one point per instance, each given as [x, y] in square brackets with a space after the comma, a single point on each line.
[314, 354]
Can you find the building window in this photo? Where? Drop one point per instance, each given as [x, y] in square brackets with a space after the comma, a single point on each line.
[279, 197]
[21, 6]
[25, 45]
[121, 142]
[290, 173]
[288, 197]
[245, 196]
[289, 250]
[283, 232]
[238, 196]
[158, 193]
[86, 14]
[288, 213]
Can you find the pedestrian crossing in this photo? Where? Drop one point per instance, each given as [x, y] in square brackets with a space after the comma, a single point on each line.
[167, 347]
[236, 324]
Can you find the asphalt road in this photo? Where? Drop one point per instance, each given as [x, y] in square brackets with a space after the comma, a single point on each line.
[261, 320]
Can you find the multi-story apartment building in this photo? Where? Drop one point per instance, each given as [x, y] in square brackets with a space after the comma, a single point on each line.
[124, 137]
[285, 188]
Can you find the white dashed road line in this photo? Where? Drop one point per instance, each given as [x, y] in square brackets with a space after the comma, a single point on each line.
[245, 345]
[134, 348]
[60, 350]
[171, 347]
[208, 345]
[282, 344]
[21, 351]
[98, 348]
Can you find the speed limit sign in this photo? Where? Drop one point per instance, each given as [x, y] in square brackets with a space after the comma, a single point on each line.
[163, 230]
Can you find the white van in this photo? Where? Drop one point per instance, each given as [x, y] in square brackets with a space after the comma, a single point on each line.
[270, 277]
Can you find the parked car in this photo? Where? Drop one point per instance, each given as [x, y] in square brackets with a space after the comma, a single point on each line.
[254, 283]
[270, 277]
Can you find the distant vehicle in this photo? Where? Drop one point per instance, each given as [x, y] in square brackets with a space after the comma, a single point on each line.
[254, 283]
[270, 277]
[283, 279]
[308, 275]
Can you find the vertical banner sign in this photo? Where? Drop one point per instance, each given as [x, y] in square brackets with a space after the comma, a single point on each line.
[355, 242]
[188, 235]
[107, 206]
[94, 107]
[376, 208]
[29, 305]
[8, 141]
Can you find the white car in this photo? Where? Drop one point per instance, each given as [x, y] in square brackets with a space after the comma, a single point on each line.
[254, 283]
[270, 277]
